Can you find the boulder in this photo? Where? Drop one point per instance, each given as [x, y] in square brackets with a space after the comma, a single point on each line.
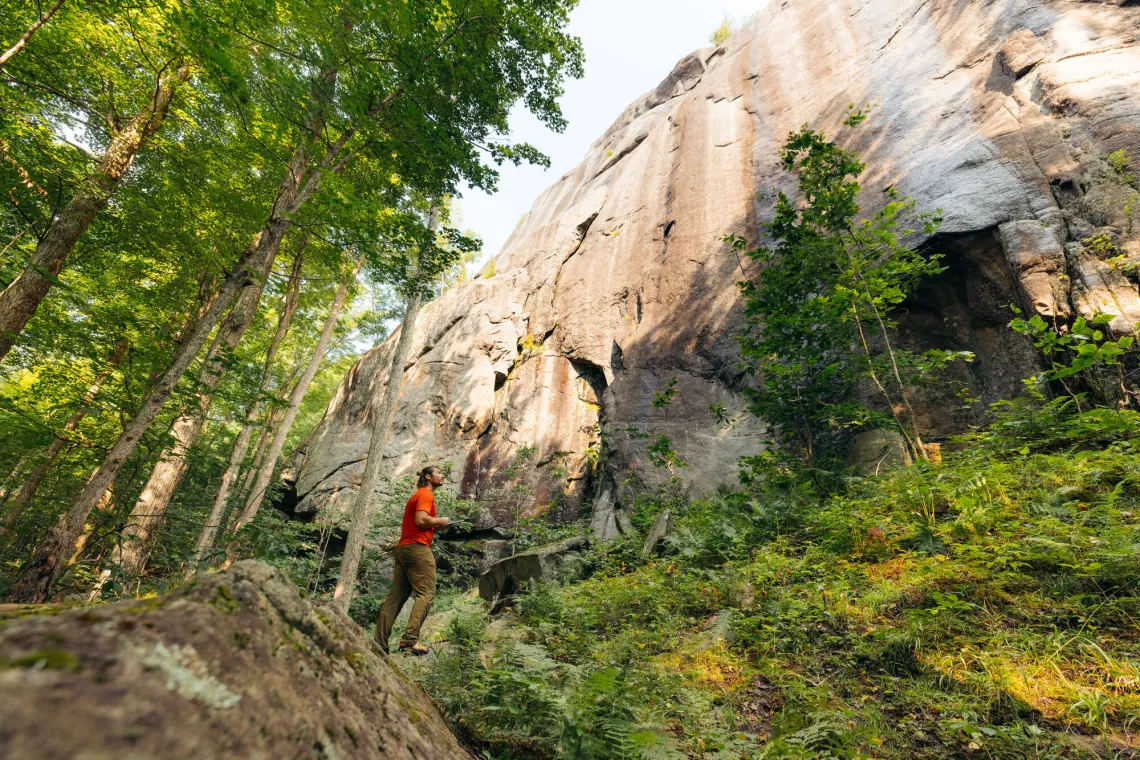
[875, 451]
[231, 665]
[662, 527]
[493, 551]
[554, 562]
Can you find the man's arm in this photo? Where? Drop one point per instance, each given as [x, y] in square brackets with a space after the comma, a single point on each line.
[424, 521]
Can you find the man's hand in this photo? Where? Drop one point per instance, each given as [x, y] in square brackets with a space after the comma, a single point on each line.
[442, 522]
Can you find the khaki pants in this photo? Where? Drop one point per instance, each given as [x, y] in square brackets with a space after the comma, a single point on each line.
[414, 573]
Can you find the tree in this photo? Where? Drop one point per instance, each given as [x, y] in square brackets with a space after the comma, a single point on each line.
[819, 312]
[123, 107]
[430, 89]
[277, 444]
[415, 284]
[241, 445]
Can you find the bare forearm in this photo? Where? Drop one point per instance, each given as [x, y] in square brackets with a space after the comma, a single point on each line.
[424, 521]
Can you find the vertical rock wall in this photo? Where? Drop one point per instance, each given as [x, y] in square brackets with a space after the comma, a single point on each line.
[1003, 115]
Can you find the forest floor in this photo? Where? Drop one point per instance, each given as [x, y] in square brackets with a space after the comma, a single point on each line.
[984, 606]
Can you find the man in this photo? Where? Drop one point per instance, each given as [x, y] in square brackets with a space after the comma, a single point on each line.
[415, 565]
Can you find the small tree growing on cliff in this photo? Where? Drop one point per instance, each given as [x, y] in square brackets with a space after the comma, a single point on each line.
[830, 283]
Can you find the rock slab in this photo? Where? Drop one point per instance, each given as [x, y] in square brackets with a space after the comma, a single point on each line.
[1002, 115]
[232, 665]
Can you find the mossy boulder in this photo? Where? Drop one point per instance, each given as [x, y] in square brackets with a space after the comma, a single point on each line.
[234, 665]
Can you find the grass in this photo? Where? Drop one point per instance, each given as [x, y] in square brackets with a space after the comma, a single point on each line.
[985, 606]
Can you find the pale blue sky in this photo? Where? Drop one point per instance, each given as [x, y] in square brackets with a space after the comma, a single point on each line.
[631, 45]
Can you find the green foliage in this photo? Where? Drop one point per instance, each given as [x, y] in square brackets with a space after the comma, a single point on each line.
[1083, 352]
[1120, 161]
[664, 398]
[830, 282]
[721, 34]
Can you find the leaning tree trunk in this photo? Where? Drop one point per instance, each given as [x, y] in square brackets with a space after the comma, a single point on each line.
[22, 297]
[150, 509]
[241, 445]
[264, 436]
[257, 493]
[382, 426]
[13, 478]
[35, 477]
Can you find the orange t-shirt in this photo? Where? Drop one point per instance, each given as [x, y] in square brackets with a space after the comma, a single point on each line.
[422, 500]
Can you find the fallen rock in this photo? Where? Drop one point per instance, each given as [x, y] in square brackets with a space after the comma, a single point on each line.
[231, 665]
[662, 527]
[876, 451]
[553, 562]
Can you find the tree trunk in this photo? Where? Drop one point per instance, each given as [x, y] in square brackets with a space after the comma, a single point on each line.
[241, 445]
[13, 478]
[382, 426]
[22, 297]
[20, 43]
[34, 478]
[150, 508]
[45, 566]
[265, 473]
[265, 435]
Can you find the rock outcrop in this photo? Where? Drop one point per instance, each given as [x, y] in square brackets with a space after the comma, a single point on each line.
[1013, 118]
[232, 665]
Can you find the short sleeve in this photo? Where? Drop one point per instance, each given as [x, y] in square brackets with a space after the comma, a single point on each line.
[424, 503]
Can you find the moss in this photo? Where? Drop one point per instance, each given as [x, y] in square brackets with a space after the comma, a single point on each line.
[357, 660]
[48, 659]
[241, 639]
[148, 605]
[30, 610]
[223, 600]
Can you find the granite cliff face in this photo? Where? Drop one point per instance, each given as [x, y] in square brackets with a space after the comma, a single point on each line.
[1001, 114]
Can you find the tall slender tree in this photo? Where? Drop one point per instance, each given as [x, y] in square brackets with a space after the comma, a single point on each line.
[277, 445]
[381, 429]
[241, 444]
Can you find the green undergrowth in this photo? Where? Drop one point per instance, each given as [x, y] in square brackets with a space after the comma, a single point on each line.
[985, 606]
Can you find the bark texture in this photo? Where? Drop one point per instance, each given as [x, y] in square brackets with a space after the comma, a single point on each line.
[19, 301]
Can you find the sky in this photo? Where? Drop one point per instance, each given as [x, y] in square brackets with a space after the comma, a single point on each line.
[630, 46]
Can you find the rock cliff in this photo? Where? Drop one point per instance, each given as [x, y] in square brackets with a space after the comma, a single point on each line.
[232, 665]
[1005, 115]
